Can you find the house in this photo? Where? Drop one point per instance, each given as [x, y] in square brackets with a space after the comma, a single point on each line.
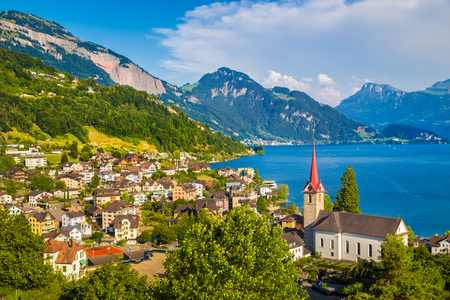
[199, 186]
[341, 235]
[131, 176]
[73, 218]
[222, 201]
[164, 188]
[132, 158]
[195, 167]
[250, 172]
[105, 166]
[69, 167]
[270, 183]
[84, 166]
[67, 193]
[295, 243]
[42, 222]
[439, 244]
[35, 162]
[126, 228]
[294, 221]
[185, 191]
[35, 196]
[15, 174]
[104, 157]
[108, 176]
[5, 198]
[227, 172]
[149, 186]
[169, 170]
[172, 221]
[207, 204]
[127, 185]
[278, 214]
[148, 155]
[105, 195]
[35, 148]
[139, 198]
[74, 232]
[148, 168]
[56, 236]
[93, 212]
[14, 210]
[51, 173]
[183, 209]
[88, 175]
[68, 257]
[116, 208]
[73, 181]
[120, 163]
[204, 166]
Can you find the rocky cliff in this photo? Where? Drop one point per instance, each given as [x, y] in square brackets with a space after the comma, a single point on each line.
[28, 33]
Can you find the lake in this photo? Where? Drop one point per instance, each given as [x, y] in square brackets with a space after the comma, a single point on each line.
[406, 181]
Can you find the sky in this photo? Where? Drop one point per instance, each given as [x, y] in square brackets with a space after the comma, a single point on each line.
[326, 48]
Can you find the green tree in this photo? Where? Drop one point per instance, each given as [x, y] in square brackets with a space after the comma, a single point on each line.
[447, 233]
[176, 154]
[163, 204]
[283, 191]
[42, 182]
[6, 161]
[95, 180]
[86, 153]
[292, 209]
[145, 236]
[60, 185]
[96, 235]
[241, 257]
[261, 205]
[114, 282]
[327, 205]
[256, 177]
[165, 233]
[411, 234]
[158, 175]
[125, 197]
[22, 265]
[64, 158]
[347, 197]
[74, 150]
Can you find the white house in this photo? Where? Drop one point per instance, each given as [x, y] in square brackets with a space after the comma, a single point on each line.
[295, 243]
[35, 162]
[169, 170]
[36, 196]
[126, 228]
[139, 198]
[5, 198]
[264, 190]
[73, 218]
[88, 175]
[74, 232]
[68, 257]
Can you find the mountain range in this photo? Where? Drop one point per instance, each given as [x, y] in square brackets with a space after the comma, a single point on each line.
[379, 105]
[230, 101]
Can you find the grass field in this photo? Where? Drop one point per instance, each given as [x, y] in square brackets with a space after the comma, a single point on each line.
[206, 178]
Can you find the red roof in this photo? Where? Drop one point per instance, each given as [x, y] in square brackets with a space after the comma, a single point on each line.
[314, 177]
[103, 251]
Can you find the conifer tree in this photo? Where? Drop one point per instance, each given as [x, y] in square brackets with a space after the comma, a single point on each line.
[347, 197]
[95, 180]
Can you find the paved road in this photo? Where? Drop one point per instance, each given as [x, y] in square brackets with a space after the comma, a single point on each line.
[313, 295]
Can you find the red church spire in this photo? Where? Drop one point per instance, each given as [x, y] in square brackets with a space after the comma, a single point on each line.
[314, 177]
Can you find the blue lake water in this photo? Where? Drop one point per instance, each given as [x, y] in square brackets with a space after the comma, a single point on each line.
[409, 181]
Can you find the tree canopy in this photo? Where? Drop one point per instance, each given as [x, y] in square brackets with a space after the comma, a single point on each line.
[241, 257]
[348, 197]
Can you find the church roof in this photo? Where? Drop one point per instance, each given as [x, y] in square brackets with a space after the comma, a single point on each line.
[314, 176]
[367, 225]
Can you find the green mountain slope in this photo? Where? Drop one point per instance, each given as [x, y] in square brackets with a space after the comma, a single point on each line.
[34, 93]
[379, 105]
[233, 103]
[57, 47]
[413, 134]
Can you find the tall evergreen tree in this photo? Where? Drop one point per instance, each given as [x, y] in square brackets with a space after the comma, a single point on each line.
[64, 158]
[74, 150]
[348, 197]
[95, 180]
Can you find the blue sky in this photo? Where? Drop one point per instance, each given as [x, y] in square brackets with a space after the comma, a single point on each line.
[326, 48]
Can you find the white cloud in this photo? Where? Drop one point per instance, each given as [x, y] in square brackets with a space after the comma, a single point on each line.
[276, 79]
[355, 90]
[397, 39]
[307, 79]
[324, 80]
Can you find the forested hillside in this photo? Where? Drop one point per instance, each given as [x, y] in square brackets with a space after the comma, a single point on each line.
[34, 93]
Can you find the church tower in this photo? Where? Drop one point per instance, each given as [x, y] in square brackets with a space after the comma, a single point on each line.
[313, 199]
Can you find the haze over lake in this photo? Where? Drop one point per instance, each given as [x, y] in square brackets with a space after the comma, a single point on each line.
[410, 181]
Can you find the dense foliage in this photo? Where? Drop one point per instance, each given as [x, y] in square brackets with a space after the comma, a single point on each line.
[242, 257]
[348, 196]
[414, 134]
[119, 111]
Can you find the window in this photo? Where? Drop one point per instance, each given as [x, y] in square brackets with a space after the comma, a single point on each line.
[347, 246]
[358, 248]
[321, 242]
[64, 269]
[310, 198]
[370, 250]
[332, 254]
[332, 244]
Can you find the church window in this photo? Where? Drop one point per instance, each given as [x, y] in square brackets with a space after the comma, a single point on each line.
[321, 242]
[310, 198]
[347, 246]
[332, 254]
[332, 244]
[358, 248]
[370, 250]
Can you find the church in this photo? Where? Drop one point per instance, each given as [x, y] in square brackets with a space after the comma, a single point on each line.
[342, 235]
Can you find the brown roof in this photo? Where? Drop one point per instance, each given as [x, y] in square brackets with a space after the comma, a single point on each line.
[101, 260]
[368, 225]
[67, 250]
[75, 214]
[206, 203]
[183, 209]
[117, 222]
[436, 239]
[40, 216]
[117, 205]
[91, 210]
[106, 193]
[53, 234]
[293, 239]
